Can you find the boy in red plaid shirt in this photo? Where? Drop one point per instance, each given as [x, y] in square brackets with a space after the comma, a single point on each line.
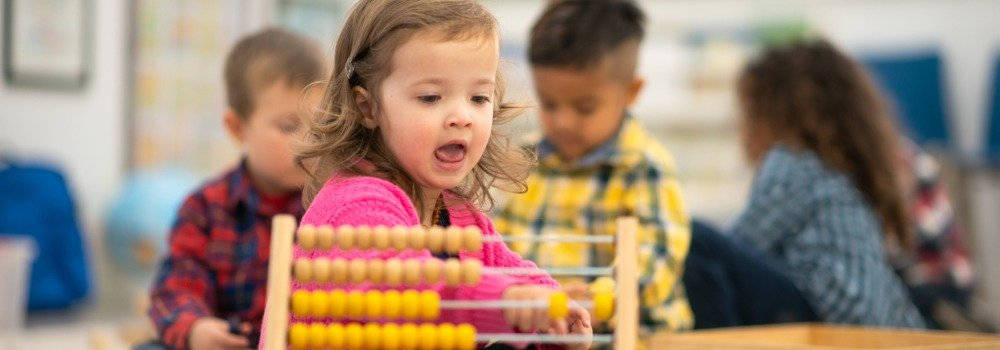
[215, 273]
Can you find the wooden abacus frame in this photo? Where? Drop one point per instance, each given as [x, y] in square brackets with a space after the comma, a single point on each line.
[276, 313]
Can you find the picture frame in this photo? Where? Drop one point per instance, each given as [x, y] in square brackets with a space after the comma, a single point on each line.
[47, 43]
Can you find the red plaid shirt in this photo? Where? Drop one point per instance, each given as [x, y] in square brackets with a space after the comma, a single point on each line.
[217, 263]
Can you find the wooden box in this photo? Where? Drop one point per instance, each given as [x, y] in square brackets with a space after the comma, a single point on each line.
[821, 337]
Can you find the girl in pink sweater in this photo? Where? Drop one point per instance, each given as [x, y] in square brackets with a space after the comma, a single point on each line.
[405, 136]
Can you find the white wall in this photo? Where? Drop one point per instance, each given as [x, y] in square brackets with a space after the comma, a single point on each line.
[82, 131]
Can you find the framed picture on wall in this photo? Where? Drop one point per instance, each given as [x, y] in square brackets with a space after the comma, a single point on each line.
[46, 43]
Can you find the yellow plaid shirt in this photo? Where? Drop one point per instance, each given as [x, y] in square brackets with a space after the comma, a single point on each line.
[631, 174]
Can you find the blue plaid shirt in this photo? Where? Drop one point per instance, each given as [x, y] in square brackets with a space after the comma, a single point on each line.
[813, 220]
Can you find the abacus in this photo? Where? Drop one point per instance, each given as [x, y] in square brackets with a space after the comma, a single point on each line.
[402, 316]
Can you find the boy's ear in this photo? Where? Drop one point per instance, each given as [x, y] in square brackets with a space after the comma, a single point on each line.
[363, 100]
[634, 88]
[234, 125]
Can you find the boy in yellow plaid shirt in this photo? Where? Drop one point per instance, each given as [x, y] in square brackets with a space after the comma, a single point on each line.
[596, 163]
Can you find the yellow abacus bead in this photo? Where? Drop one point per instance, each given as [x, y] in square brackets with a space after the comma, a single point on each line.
[354, 336]
[307, 237]
[338, 303]
[319, 303]
[398, 237]
[428, 336]
[303, 270]
[391, 300]
[432, 271]
[355, 304]
[300, 303]
[345, 237]
[558, 305]
[453, 239]
[473, 239]
[411, 272]
[358, 270]
[324, 237]
[430, 305]
[298, 335]
[411, 304]
[373, 304]
[435, 239]
[393, 272]
[335, 336]
[376, 271]
[321, 270]
[373, 336]
[604, 306]
[408, 335]
[452, 272]
[390, 336]
[465, 337]
[446, 336]
[338, 271]
[417, 238]
[471, 271]
[317, 335]
[380, 237]
[363, 237]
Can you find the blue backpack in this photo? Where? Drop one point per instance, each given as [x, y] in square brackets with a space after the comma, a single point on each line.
[35, 202]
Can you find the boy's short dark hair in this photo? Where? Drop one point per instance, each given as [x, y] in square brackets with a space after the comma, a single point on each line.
[266, 57]
[578, 34]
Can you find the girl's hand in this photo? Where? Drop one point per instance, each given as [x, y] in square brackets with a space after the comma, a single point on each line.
[577, 323]
[527, 319]
[212, 333]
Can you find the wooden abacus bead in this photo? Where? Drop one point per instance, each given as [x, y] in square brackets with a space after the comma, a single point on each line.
[298, 336]
[363, 237]
[446, 336]
[471, 271]
[335, 335]
[303, 270]
[428, 336]
[411, 272]
[380, 237]
[604, 306]
[324, 237]
[321, 270]
[432, 271]
[411, 304]
[345, 237]
[435, 239]
[390, 336]
[430, 305]
[306, 237]
[393, 272]
[558, 305]
[358, 270]
[373, 304]
[338, 270]
[300, 302]
[355, 304]
[373, 336]
[393, 304]
[453, 239]
[408, 336]
[398, 238]
[319, 303]
[465, 337]
[338, 303]
[473, 239]
[318, 335]
[417, 238]
[452, 272]
[376, 271]
[354, 336]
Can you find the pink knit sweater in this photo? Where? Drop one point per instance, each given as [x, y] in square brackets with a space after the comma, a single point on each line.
[363, 200]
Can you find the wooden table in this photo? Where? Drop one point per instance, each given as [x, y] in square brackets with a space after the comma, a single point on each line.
[821, 337]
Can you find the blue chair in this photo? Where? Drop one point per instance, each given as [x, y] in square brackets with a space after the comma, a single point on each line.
[992, 148]
[913, 81]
